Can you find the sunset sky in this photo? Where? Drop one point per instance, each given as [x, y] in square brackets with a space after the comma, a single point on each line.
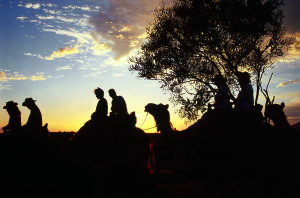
[58, 52]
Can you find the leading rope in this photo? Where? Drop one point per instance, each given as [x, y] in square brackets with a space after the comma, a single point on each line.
[144, 123]
[144, 120]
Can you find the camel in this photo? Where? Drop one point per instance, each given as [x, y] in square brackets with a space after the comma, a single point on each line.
[110, 157]
[287, 149]
[162, 119]
[277, 115]
[221, 138]
[23, 157]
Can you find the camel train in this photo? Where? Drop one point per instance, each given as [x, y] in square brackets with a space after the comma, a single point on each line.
[230, 143]
[111, 157]
[107, 157]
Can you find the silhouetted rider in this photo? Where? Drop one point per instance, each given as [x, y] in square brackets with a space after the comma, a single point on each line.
[14, 122]
[118, 104]
[245, 99]
[102, 107]
[34, 121]
[222, 99]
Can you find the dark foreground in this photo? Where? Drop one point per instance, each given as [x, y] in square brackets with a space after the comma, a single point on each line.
[179, 174]
[196, 188]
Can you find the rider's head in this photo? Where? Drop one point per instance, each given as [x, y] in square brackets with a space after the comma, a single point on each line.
[99, 93]
[112, 93]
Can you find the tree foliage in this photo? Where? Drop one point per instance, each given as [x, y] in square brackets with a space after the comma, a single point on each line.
[191, 41]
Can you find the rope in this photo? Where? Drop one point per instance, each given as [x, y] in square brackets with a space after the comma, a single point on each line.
[144, 123]
[144, 120]
[150, 128]
[155, 125]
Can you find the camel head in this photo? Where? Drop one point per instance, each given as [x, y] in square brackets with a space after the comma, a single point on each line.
[275, 111]
[159, 112]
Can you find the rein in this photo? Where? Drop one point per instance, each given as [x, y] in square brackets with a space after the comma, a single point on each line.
[155, 125]
[150, 128]
[144, 120]
[144, 123]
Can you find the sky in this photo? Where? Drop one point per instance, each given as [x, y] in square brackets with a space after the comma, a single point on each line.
[58, 52]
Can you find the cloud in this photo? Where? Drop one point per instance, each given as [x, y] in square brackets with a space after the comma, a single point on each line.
[15, 76]
[84, 8]
[287, 83]
[36, 55]
[33, 6]
[51, 11]
[22, 18]
[292, 15]
[64, 20]
[82, 37]
[3, 76]
[62, 52]
[51, 17]
[63, 68]
[37, 77]
[6, 87]
[45, 17]
[292, 111]
[292, 53]
[121, 24]
[7, 76]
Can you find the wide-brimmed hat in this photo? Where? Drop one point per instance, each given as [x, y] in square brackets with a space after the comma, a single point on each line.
[10, 104]
[28, 101]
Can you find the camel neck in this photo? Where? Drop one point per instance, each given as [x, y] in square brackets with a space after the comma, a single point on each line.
[165, 128]
[283, 124]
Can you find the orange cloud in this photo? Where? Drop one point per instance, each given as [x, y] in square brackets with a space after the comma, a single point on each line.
[16, 76]
[121, 26]
[35, 78]
[2, 76]
[287, 83]
[63, 51]
[63, 68]
[8, 76]
[293, 112]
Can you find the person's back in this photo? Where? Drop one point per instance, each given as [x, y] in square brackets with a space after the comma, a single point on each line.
[118, 105]
[14, 123]
[102, 107]
[245, 99]
[222, 99]
[34, 121]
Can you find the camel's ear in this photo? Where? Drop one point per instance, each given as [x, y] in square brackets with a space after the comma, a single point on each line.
[166, 106]
[282, 105]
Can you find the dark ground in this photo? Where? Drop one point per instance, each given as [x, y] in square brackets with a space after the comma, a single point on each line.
[179, 174]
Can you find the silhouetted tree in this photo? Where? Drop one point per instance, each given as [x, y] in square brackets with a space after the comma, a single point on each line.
[193, 40]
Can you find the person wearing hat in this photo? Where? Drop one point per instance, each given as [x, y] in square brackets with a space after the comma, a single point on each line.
[34, 121]
[14, 123]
